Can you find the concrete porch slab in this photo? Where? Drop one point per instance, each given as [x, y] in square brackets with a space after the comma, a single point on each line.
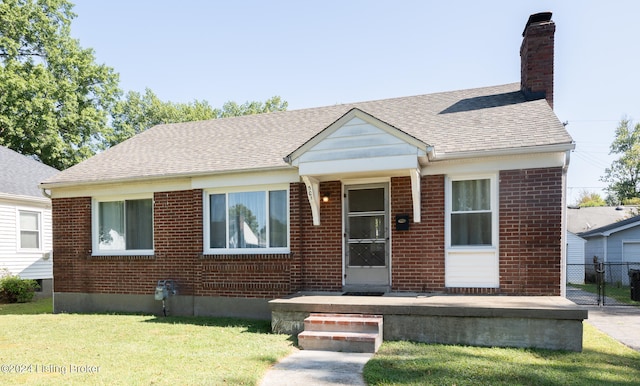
[506, 321]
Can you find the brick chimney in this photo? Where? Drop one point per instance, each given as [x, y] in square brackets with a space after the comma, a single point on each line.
[536, 57]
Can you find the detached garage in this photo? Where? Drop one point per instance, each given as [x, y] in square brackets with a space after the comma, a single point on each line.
[616, 244]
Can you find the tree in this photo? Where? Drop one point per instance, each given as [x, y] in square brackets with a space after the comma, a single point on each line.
[623, 176]
[54, 99]
[137, 113]
[586, 199]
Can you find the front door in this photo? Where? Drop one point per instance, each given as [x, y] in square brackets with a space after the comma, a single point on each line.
[366, 259]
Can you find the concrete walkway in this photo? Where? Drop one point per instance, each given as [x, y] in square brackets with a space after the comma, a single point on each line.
[308, 367]
[620, 323]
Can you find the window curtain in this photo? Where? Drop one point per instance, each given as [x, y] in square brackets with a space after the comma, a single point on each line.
[139, 232]
[471, 213]
[278, 218]
[111, 225]
[247, 220]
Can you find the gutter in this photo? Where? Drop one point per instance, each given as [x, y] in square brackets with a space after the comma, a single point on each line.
[17, 197]
[66, 184]
[564, 147]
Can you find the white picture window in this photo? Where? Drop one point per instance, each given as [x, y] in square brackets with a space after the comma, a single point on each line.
[123, 226]
[30, 229]
[244, 221]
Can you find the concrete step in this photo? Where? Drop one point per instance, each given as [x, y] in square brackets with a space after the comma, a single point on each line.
[342, 332]
[343, 322]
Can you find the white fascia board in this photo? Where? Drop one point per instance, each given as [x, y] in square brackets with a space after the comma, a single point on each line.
[267, 177]
[114, 189]
[491, 164]
[360, 165]
[561, 147]
[16, 198]
[168, 183]
[151, 179]
[619, 229]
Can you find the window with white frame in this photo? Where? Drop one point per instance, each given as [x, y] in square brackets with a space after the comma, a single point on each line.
[472, 212]
[30, 227]
[247, 220]
[123, 226]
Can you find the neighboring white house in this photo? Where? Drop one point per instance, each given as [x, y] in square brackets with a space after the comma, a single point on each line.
[25, 218]
[575, 258]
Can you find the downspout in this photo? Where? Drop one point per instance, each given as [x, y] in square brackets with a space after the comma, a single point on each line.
[563, 228]
[301, 241]
[44, 193]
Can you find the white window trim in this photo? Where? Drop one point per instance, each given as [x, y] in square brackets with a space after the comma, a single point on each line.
[95, 226]
[449, 179]
[19, 230]
[242, 251]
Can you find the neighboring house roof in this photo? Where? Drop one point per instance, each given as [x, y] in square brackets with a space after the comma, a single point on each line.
[457, 124]
[588, 218]
[21, 175]
[608, 230]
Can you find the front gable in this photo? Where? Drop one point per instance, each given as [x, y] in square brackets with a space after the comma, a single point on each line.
[356, 144]
[359, 145]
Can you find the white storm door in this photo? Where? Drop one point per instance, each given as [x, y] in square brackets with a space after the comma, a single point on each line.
[366, 257]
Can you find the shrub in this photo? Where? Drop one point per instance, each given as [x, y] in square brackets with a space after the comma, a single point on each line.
[13, 289]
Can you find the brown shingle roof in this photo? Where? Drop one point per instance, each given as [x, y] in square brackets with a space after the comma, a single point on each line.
[482, 119]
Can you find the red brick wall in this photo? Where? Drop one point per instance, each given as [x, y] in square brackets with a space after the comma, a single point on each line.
[418, 253]
[177, 244]
[530, 231]
[71, 244]
[530, 246]
[261, 276]
[536, 59]
[317, 250]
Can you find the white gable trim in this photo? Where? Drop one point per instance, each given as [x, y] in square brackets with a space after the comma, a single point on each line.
[351, 114]
[616, 230]
[358, 145]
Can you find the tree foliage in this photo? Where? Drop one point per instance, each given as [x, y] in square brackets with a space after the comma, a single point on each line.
[139, 112]
[623, 176]
[59, 106]
[54, 98]
[587, 199]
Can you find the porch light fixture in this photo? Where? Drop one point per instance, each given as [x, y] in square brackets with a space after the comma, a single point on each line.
[325, 197]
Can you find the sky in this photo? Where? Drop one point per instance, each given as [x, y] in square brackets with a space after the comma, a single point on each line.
[320, 53]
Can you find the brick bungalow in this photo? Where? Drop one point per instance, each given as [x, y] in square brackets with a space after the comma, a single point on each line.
[458, 192]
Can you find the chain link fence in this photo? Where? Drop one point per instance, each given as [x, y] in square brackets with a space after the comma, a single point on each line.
[600, 283]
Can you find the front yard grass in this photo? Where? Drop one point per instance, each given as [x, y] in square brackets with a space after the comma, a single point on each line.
[68, 349]
[37, 347]
[604, 361]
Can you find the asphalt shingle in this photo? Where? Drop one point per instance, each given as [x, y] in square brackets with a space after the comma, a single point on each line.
[20, 175]
[482, 119]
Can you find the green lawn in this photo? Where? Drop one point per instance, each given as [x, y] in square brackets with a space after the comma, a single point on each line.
[604, 361]
[69, 349]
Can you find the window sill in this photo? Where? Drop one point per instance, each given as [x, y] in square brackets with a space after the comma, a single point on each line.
[247, 251]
